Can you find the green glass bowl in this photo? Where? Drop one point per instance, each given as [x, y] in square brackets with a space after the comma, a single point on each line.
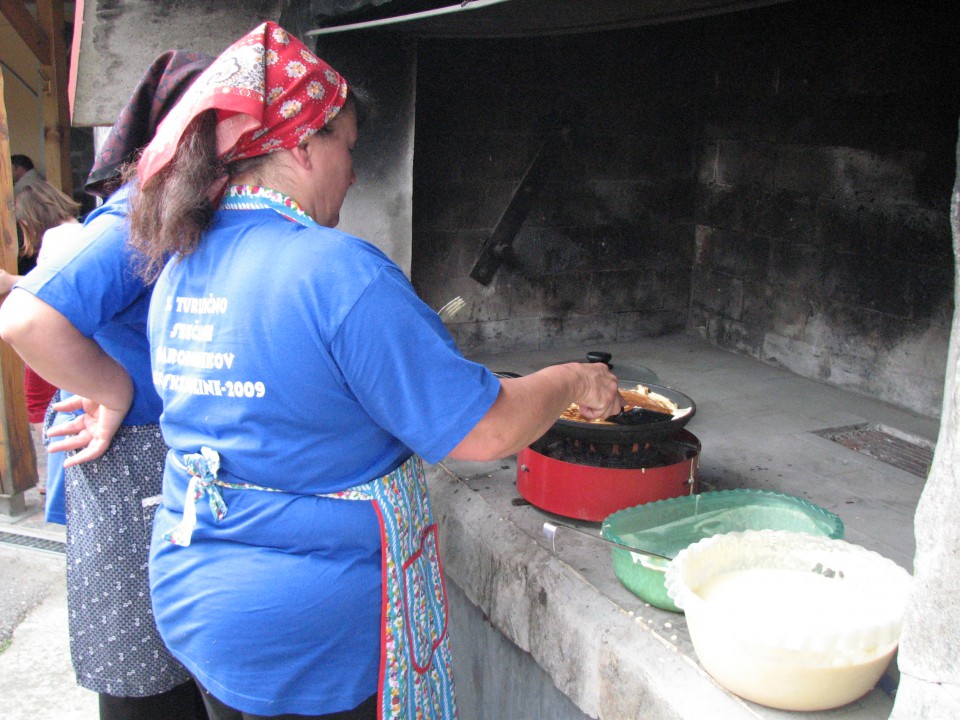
[666, 527]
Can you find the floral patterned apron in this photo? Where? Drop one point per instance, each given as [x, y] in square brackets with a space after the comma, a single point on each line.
[416, 673]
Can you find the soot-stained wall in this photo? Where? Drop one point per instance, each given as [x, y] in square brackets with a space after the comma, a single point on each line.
[823, 239]
[776, 179]
[606, 249]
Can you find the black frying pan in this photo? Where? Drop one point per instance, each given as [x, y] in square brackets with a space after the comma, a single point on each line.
[631, 433]
[626, 433]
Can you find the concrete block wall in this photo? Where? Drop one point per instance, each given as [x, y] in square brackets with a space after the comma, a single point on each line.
[823, 235]
[822, 229]
[776, 179]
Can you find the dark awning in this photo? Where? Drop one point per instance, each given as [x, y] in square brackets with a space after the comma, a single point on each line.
[113, 45]
[519, 18]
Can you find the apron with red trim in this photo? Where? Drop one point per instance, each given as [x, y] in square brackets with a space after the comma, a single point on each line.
[416, 671]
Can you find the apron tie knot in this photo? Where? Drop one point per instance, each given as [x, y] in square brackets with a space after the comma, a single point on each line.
[203, 468]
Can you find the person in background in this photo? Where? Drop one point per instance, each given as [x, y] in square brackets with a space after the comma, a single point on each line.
[294, 567]
[48, 222]
[80, 322]
[48, 219]
[39, 207]
[24, 173]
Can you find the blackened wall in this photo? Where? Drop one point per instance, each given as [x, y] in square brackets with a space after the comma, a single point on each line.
[606, 250]
[776, 179]
[825, 174]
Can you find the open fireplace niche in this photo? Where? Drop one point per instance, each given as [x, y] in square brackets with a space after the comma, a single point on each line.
[781, 180]
[777, 180]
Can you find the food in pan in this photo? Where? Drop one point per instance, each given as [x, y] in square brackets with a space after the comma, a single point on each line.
[640, 396]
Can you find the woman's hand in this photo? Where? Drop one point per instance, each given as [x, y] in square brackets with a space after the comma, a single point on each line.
[600, 395]
[91, 433]
[527, 406]
[56, 350]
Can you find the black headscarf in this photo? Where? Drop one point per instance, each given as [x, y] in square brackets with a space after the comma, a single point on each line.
[158, 91]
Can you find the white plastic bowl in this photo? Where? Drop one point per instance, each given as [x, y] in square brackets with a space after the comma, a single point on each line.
[790, 620]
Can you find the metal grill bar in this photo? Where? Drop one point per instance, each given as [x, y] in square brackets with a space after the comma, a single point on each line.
[52, 546]
[909, 457]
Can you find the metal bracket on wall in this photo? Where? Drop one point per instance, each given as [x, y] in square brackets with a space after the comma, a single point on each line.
[499, 246]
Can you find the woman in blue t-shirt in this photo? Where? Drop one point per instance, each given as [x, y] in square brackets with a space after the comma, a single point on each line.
[294, 567]
[80, 321]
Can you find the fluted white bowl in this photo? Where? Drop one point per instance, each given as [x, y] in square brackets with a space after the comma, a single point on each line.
[790, 620]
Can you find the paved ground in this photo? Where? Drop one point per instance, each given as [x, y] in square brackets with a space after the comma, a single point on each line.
[36, 675]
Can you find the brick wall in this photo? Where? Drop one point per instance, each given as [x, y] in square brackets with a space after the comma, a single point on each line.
[777, 180]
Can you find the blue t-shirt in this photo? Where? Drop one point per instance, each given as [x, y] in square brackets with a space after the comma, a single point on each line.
[99, 291]
[56, 508]
[305, 359]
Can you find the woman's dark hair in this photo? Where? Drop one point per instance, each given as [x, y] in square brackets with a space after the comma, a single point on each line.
[170, 214]
[21, 161]
[363, 104]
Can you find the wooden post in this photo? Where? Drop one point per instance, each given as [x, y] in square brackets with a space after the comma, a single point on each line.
[18, 463]
[53, 88]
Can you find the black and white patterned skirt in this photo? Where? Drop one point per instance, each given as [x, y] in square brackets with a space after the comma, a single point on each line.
[114, 642]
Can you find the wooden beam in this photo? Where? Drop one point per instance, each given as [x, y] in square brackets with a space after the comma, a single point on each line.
[29, 30]
[18, 463]
[54, 78]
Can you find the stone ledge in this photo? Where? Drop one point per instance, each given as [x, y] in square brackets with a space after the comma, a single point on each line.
[608, 663]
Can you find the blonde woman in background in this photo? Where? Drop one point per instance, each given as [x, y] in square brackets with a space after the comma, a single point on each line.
[40, 208]
[48, 221]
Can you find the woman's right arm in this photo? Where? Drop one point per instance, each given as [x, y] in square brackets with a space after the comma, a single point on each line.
[527, 406]
[63, 356]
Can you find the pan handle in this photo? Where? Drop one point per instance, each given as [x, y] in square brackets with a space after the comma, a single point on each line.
[599, 356]
[550, 532]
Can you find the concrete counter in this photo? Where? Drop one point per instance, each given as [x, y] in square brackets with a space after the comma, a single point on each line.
[613, 655]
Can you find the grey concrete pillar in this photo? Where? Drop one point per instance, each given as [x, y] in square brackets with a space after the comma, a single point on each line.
[929, 657]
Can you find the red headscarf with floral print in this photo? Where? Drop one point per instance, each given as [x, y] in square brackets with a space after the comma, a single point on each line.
[269, 91]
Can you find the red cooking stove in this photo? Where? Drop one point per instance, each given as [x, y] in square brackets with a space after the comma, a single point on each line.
[590, 484]
[589, 470]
